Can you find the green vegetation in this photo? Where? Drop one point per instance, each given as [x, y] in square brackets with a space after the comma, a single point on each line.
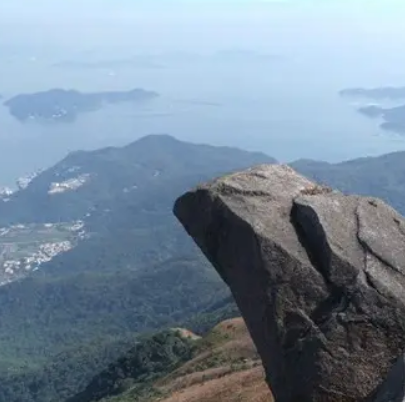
[173, 360]
[136, 270]
[150, 359]
[68, 372]
[62, 375]
[42, 316]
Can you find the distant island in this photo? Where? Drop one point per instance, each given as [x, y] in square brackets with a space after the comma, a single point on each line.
[64, 106]
[170, 59]
[375, 93]
[393, 118]
[135, 62]
[244, 56]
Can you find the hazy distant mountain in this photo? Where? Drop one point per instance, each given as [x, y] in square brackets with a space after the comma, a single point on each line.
[242, 56]
[170, 59]
[147, 62]
[375, 93]
[64, 106]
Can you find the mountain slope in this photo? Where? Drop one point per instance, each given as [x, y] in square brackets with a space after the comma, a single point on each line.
[68, 372]
[223, 365]
[123, 198]
[382, 176]
[89, 182]
[42, 316]
[131, 269]
[125, 210]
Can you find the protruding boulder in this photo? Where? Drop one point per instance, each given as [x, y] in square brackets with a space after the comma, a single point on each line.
[318, 276]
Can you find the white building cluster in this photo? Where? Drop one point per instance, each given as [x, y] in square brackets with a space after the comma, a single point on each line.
[17, 260]
[68, 185]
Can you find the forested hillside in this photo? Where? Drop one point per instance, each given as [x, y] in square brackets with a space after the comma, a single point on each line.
[132, 270]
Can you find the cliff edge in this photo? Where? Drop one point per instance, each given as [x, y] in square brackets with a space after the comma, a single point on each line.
[319, 278]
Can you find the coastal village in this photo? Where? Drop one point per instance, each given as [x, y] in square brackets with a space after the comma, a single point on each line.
[24, 248]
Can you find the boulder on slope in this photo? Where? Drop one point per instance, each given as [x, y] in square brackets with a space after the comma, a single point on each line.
[319, 278]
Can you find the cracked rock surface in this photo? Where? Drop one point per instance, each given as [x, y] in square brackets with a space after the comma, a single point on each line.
[319, 278]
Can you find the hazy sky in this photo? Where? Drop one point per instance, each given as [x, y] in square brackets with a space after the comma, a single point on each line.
[328, 45]
[362, 35]
[205, 23]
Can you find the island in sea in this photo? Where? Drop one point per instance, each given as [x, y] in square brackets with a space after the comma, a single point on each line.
[64, 106]
[393, 118]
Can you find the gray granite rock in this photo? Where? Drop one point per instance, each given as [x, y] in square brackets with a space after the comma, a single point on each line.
[319, 278]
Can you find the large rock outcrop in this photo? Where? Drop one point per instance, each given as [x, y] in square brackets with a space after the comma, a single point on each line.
[319, 277]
